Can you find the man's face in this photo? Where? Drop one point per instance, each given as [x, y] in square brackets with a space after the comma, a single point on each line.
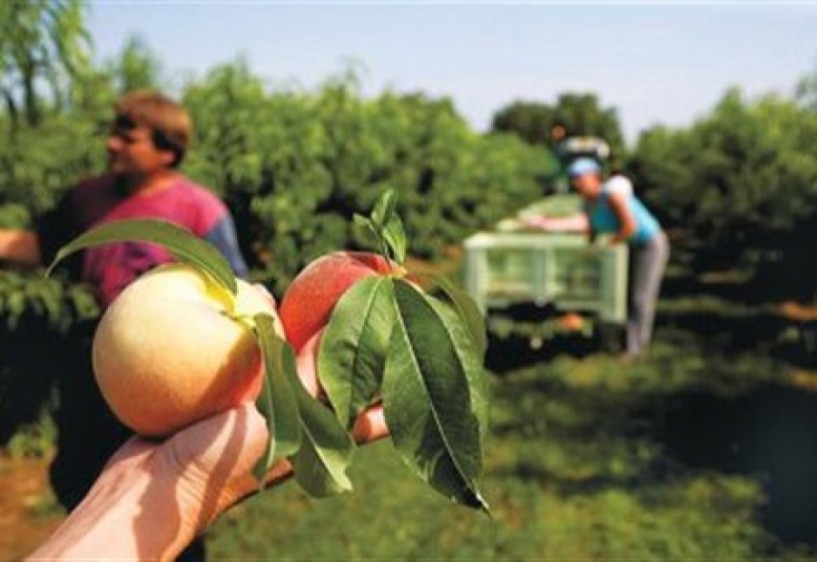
[131, 151]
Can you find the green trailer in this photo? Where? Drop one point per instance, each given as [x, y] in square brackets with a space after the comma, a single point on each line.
[505, 268]
[516, 266]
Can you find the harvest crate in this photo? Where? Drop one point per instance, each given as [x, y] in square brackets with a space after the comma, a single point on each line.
[563, 269]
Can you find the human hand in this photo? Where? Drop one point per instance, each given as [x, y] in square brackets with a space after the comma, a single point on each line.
[369, 426]
[155, 497]
[538, 222]
[576, 223]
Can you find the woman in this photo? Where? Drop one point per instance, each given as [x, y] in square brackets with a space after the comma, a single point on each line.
[626, 218]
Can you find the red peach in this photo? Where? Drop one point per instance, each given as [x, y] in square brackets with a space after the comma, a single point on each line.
[309, 300]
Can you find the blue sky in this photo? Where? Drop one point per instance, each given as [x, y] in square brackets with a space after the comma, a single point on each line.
[653, 62]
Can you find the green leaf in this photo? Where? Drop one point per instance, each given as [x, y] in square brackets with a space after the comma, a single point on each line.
[384, 208]
[369, 225]
[184, 245]
[386, 227]
[466, 308]
[361, 221]
[395, 237]
[277, 400]
[353, 347]
[435, 395]
[326, 448]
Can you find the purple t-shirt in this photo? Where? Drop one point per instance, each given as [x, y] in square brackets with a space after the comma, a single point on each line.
[111, 267]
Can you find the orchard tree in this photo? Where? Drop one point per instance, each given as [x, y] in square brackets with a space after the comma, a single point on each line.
[582, 115]
[530, 121]
[137, 66]
[579, 114]
[742, 180]
[44, 45]
[746, 166]
[805, 92]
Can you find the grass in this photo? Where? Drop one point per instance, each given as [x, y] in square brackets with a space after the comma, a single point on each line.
[705, 451]
[587, 460]
[35, 439]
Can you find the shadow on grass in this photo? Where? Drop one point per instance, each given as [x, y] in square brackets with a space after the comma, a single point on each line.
[769, 432]
[765, 427]
[507, 354]
[715, 398]
[734, 317]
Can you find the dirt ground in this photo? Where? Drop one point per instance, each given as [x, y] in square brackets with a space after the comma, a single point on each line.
[28, 512]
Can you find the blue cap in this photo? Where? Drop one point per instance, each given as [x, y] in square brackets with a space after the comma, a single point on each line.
[581, 166]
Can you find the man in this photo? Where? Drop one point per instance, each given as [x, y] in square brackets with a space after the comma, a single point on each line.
[146, 143]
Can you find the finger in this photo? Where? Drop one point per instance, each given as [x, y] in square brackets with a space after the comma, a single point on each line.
[370, 425]
[247, 485]
[306, 363]
[135, 450]
[213, 461]
[240, 433]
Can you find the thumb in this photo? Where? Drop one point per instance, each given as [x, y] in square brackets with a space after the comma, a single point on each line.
[222, 445]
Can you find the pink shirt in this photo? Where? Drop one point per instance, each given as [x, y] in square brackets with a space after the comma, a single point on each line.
[109, 268]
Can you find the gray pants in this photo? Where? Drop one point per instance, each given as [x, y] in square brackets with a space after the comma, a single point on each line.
[649, 264]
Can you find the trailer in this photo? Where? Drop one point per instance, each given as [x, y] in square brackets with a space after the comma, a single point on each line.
[558, 273]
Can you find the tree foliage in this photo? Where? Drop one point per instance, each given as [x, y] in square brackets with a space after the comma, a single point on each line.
[136, 66]
[742, 179]
[581, 114]
[44, 46]
[296, 166]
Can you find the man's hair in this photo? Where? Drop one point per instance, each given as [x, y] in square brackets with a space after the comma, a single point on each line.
[170, 124]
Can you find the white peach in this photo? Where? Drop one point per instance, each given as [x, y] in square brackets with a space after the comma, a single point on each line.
[175, 347]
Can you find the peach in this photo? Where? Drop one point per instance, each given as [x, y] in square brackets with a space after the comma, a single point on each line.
[175, 347]
[310, 298]
[571, 322]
